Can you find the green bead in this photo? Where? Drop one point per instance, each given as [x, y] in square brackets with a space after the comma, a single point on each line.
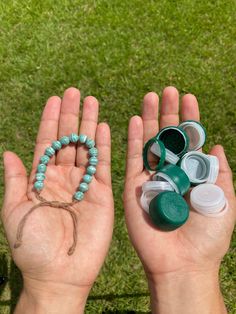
[38, 185]
[79, 195]
[64, 140]
[44, 159]
[93, 152]
[83, 187]
[87, 178]
[56, 145]
[90, 143]
[49, 151]
[91, 170]
[74, 138]
[93, 161]
[82, 138]
[40, 176]
[41, 168]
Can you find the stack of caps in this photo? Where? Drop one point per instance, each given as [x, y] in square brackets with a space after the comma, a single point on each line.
[180, 165]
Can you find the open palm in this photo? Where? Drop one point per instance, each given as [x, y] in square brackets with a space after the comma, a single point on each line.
[202, 241]
[48, 232]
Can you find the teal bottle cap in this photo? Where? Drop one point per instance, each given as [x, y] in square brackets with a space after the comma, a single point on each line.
[176, 177]
[175, 139]
[196, 133]
[162, 150]
[168, 211]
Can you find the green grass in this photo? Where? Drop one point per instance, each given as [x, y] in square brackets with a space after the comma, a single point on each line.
[116, 51]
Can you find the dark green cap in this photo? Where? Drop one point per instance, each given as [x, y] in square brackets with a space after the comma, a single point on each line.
[168, 210]
[175, 175]
[175, 139]
[162, 154]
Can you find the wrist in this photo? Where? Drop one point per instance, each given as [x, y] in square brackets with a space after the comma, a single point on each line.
[187, 292]
[51, 297]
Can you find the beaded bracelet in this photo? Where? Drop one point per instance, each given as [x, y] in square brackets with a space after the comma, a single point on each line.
[78, 195]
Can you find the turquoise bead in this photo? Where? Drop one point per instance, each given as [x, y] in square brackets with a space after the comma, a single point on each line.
[74, 138]
[40, 176]
[82, 138]
[90, 143]
[38, 185]
[93, 152]
[79, 195]
[83, 187]
[44, 159]
[87, 178]
[64, 140]
[93, 161]
[56, 145]
[91, 170]
[49, 151]
[41, 168]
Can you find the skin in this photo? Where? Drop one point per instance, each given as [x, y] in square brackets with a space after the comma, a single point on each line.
[54, 281]
[183, 262]
[181, 266]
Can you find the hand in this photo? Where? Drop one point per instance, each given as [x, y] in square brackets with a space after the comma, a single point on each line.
[200, 244]
[48, 232]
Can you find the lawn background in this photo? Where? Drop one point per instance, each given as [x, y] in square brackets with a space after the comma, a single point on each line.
[116, 51]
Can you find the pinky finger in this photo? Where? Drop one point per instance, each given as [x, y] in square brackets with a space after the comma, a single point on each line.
[103, 143]
[225, 177]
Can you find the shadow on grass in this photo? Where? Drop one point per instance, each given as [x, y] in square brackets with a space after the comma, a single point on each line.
[111, 297]
[14, 280]
[3, 271]
[16, 284]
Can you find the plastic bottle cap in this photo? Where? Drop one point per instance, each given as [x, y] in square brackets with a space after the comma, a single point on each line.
[208, 200]
[170, 157]
[214, 169]
[162, 156]
[156, 186]
[168, 210]
[196, 133]
[197, 167]
[176, 177]
[152, 189]
[175, 139]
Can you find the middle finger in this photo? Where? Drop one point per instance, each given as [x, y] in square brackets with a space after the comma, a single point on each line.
[169, 108]
[68, 123]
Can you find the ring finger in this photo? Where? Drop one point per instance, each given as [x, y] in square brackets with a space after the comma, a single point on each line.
[88, 127]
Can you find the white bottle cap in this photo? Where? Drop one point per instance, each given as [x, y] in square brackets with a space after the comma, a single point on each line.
[214, 169]
[209, 200]
[170, 156]
[197, 167]
[150, 190]
[196, 133]
[161, 177]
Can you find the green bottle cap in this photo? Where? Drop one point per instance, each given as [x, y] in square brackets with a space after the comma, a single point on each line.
[168, 210]
[175, 139]
[162, 149]
[177, 178]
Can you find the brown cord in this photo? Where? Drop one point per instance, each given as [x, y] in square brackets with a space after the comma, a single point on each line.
[55, 204]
